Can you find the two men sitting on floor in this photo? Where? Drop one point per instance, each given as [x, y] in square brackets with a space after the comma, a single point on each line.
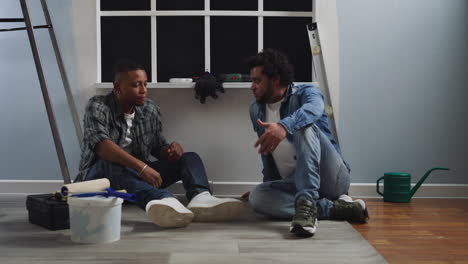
[304, 175]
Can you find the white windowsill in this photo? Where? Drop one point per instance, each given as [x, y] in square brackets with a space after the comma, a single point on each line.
[164, 85]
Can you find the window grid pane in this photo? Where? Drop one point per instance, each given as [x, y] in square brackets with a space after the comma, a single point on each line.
[125, 5]
[125, 37]
[232, 40]
[289, 35]
[288, 5]
[181, 48]
[250, 5]
[180, 4]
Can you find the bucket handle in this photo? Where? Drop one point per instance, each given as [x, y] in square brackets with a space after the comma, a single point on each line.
[378, 190]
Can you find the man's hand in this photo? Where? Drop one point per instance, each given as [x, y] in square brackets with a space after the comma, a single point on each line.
[173, 152]
[274, 134]
[245, 196]
[152, 177]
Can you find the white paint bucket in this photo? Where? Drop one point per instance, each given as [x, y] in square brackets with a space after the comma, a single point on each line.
[95, 219]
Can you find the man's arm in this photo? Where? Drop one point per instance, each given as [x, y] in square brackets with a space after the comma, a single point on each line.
[172, 152]
[108, 150]
[308, 113]
[97, 137]
[311, 110]
[273, 135]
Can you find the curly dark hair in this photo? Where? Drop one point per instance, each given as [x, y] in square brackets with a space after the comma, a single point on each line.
[274, 64]
[125, 65]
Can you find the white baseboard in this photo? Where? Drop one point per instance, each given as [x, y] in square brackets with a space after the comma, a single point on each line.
[366, 190]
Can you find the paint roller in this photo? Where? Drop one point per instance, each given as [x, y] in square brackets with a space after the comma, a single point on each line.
[92, 188]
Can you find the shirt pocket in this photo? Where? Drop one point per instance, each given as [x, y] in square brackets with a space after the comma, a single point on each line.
[145, 134]
[147, 138]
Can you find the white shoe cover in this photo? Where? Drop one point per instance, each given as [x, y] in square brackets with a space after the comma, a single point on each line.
[168, 212]
[208, 208]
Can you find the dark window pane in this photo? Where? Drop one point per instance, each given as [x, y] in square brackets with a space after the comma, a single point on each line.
[180, 4]
[234, 5]
[180, 47]
[110, 5]
[233, 39]
[289, 5]
[289, 35]
[125, 37]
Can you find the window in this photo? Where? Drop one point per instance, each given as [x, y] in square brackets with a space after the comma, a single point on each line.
[184, 38]
[125, 37]
[180, 47]
[232, 39]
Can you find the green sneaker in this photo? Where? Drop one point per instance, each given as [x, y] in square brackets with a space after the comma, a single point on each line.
[304, 223]
[348, 210]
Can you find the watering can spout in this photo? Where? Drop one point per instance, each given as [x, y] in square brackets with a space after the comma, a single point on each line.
[416, 187]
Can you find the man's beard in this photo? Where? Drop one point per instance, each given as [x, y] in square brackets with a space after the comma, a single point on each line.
[266, 96]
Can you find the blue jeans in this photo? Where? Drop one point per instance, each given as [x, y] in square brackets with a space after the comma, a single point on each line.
[320, 175]
[189, 168]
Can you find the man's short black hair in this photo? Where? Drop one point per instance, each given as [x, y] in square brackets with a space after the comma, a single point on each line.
[274, 64]
[123, 66]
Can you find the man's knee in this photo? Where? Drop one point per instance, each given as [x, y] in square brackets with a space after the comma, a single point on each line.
[265, 202]
[254, 197]
[260, 199]
[190, 156]
[306, 136]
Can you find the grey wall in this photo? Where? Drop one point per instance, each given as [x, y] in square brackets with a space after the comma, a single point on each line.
[220, 131]
[26, 145]
[404, 87]
[402, 82]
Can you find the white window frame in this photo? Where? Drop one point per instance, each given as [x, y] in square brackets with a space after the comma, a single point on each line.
[207, 13]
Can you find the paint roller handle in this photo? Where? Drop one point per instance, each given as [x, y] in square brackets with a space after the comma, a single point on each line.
[89, 194]
[126, 196]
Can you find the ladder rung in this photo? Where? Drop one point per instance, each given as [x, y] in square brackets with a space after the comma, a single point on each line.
[23, 28]
[11, 19]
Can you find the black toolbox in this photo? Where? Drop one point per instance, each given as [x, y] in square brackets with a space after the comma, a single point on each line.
[47, 211]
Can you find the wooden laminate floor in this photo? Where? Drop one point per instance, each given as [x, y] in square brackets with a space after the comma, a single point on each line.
[422, 231]
[252, 239]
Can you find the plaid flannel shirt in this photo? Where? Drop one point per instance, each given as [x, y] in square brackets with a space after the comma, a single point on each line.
[104, 119]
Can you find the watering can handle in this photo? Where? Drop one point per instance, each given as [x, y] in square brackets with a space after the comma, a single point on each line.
[378, 191]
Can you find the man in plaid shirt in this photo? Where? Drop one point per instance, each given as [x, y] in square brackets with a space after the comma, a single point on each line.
[121, 130]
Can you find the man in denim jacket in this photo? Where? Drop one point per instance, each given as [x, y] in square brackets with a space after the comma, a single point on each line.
[303, 169]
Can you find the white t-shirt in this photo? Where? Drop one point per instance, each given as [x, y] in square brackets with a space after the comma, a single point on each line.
[285, 152]
[127, 145]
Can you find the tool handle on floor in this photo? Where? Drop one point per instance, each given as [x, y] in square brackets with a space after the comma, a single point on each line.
[126, 196]
[109, 193]
[90, 194]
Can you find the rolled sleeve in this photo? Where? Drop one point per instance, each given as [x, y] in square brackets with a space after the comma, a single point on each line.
[288, 123]
[311, 110]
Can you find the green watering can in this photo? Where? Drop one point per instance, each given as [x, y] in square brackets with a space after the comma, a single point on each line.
[397, 185]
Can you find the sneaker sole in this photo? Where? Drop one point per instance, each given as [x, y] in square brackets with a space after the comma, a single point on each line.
[365, 213]
[301, 231]
[166, 216]
[227, 211]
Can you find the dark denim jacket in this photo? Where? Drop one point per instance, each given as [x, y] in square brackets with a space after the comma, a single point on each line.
[303, 106]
